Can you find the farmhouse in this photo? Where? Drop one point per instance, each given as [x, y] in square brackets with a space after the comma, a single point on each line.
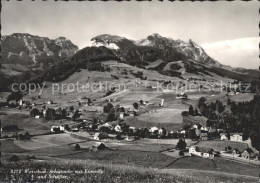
[74, 129]
[105, 125]
[236, 137]
[37, 117]
[248, 154]
[57, 129]
[153, 130]
[118, 128]
[223, 136]
[202, 152]
[204, 136]
[181, 96]
[132, 129]
[121, 115]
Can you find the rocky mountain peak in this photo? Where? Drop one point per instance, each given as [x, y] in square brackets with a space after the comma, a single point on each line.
[26, 49]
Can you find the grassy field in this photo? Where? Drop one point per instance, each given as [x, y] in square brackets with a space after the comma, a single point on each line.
[92, 171]
[24, 121]
[166, 115]
[194, 119]
[134, 121]
[218, 164]
[220, 145]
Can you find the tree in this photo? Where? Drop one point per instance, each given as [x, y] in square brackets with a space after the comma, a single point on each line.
[196, 112]
[255, 140]
[14, 158]
[64, 113]
[201, 101]
[135, 105]
[108, 108]
[203, 109]
[191, 111]
[181, 144]
[50, 114]
[76, 115]
[228, 101]
[14, 96]
[181, 153]
[34, 112]
[192, 134]
[77, 147]
[122, 109]
[66, 127]
[110, 117]
[71, 108]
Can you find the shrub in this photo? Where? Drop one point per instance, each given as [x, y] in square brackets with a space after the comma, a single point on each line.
[14, 158]
[77, 147]
[181, 153]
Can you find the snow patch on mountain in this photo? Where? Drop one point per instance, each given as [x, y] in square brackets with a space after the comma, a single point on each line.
[108, 45]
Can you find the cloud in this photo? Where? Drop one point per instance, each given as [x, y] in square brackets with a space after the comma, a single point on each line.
[241, 52]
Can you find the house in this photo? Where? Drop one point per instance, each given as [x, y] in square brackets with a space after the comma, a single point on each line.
[154, 130]
[162, 102]
[105, 125]
[131, 113]
[192, 149]
[202, 152]
[206, 155]
[162, 131]
[204, 136]
[198, 132]
[57, 129]
[181, 96]
[183, 132]
[118, 128]
[205, 129]
[132, 129]
[248, 154]
[50, 102]
[37, 117]
[100, 136]
[20, 102]
[236, 137]
[121, 115]
[74, 129]
[195, 126]
[223, 136]
[232, 93]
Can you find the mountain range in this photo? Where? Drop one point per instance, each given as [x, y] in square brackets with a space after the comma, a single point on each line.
[26, 49]
[30, 56]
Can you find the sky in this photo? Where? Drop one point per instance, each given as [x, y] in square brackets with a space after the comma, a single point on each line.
[228, 31]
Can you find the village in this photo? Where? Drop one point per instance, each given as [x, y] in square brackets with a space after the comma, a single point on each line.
[108, 126]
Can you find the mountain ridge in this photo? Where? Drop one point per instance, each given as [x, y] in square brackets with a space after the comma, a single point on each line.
[61, 58]
[27, 49]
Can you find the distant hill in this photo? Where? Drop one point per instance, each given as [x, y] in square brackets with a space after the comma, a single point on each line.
[156, 47]
[26, 49]
[55, 60]
[152, 48]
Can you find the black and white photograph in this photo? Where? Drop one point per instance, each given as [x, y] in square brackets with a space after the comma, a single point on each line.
[130, 92]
